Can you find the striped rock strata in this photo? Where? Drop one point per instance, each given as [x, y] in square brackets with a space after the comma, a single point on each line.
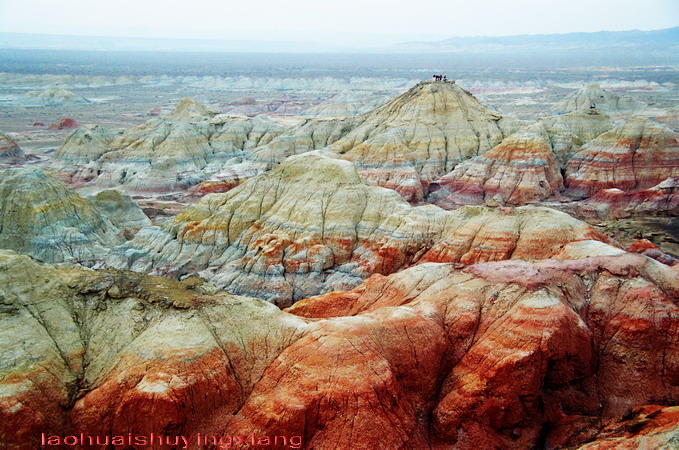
[660, 200]
[569, 132]
[496, 355]
[166, 153]
[403, 145]
[311, 134]
[43, 217]
[521, 170]
[564, 343]
[420, 135]
[312, 224]
[636, 155]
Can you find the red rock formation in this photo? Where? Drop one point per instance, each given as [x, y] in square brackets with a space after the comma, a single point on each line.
[662, 199]
[506, 354]
[648, 248]
[649, 426]
[64, 124]
[530, 362]
[39, 124]
[521, 170]
[636, 155]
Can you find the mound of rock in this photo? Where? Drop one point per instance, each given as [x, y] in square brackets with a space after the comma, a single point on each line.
[660, 200]
[312, 225]
[479, 357]
[46, 219]
[420, 136]
[594, 96]
[52, 96]
[167, 153]
[121, 211]
[569, 132]
[580, 360]
[311, 134]
[636, 155]
[9, 149]
[521, 170]
[85, 144]
[64, 124]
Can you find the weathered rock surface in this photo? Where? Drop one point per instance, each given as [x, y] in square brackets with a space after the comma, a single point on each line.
[83, 145]
[119, 208]
[310, 135]
[649, 426]
[168, 153]
[594, 95]
[42, 217]
[312, 224]
[521, 170]
[110, 352]
[505, 354]
[660, 200]
[9, 149]
[420, 136]
[569, 132]
[636, 155]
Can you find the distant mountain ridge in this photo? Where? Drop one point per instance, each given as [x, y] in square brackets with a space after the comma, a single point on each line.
[658, 40]
[663, 42]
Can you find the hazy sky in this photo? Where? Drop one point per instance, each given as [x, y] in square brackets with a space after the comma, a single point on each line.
[352, 22]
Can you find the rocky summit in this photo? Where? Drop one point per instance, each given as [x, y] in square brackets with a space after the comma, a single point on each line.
[420, 135]
[312, 224]
[43, 217]
[166, 153]
[521, 170]
[637, 154]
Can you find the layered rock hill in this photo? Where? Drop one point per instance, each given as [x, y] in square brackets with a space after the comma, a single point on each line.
[638, 154]
[312, 225]
[52, 96]
[310, 135]
[9, 149]
[42, 217]
[167, 153]
[421, 135]
[505, 354]
[521, 170]
[121, 211]
[569, 132]
[85, 144]
[533, 354]
[594, 95]
[660, 200]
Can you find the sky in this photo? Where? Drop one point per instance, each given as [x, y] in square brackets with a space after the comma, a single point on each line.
[359, 23]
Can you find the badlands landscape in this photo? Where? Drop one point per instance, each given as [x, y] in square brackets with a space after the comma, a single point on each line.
[357, 258]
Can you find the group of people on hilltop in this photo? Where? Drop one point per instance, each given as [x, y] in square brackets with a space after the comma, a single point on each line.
[440, 77]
